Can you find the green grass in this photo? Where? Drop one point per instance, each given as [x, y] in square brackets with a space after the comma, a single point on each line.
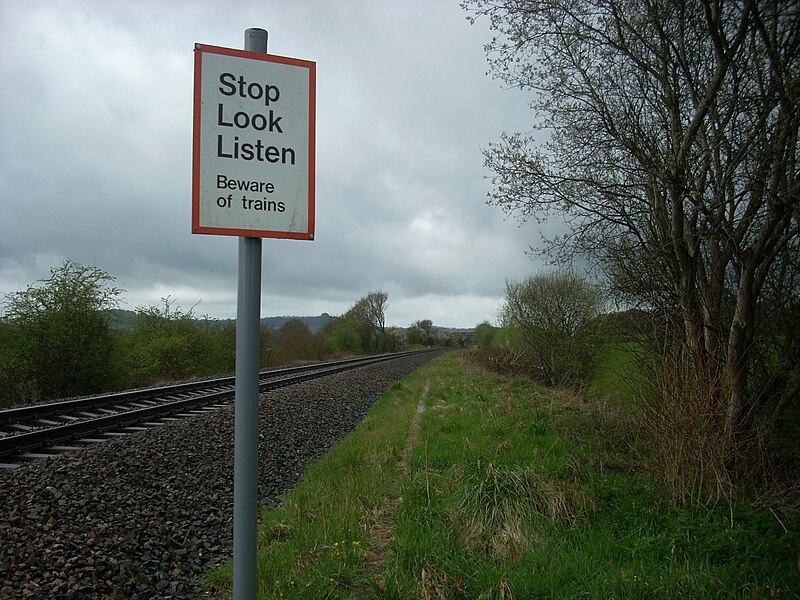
[505, 490]
[618, 372]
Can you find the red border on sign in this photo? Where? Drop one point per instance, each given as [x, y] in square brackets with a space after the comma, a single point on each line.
[199, 50]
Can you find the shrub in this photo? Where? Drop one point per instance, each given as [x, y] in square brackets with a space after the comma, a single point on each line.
[557, 318]
[57, 336]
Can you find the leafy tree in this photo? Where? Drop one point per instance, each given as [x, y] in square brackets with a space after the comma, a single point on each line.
[294, 341]
[318, 345]
[668, 137]
[215, 342]
[58, 336]
[164, 344]
[389, 340]
[556, 315]
[267, 344]
[485, 334]
[344, 337]
[359, 314]
[415, 335]
[425, 326]
[370, 313]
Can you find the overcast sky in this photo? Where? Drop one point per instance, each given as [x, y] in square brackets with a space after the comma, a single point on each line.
[96, 142]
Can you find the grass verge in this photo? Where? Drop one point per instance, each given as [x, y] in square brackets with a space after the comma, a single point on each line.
[462, 483]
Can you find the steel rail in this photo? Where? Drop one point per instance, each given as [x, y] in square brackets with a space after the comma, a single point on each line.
[25, 442]
[33, 412]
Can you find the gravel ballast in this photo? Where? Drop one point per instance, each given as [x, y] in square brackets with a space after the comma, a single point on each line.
[146, 515]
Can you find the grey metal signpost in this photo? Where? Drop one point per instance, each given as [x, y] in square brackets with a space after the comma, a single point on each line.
[253, 168]
[245, 458]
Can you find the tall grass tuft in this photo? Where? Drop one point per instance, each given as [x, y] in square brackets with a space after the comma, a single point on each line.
[502, 507]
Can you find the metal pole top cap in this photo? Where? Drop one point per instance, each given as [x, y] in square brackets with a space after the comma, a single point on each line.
[255, 39]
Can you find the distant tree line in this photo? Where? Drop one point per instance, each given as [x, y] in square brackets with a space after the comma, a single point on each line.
[58, 339]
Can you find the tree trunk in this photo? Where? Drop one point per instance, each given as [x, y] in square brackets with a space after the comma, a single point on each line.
[739, 341]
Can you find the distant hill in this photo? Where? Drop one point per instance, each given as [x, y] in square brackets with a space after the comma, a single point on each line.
[314, 323]
[126, 319]
[122, 319]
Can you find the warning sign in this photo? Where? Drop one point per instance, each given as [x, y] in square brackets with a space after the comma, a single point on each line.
[254, 144]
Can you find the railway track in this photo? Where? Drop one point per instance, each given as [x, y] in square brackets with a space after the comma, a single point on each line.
[41, 430]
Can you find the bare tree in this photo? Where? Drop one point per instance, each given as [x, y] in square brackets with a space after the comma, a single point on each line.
[667, 135]
[377, 303]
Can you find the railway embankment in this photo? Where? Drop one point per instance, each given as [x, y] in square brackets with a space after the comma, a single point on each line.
[145, 515]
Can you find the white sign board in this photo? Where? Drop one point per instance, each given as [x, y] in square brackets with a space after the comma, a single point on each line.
[254, 144]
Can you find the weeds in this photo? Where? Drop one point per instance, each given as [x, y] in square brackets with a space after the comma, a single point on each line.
[684, 440]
